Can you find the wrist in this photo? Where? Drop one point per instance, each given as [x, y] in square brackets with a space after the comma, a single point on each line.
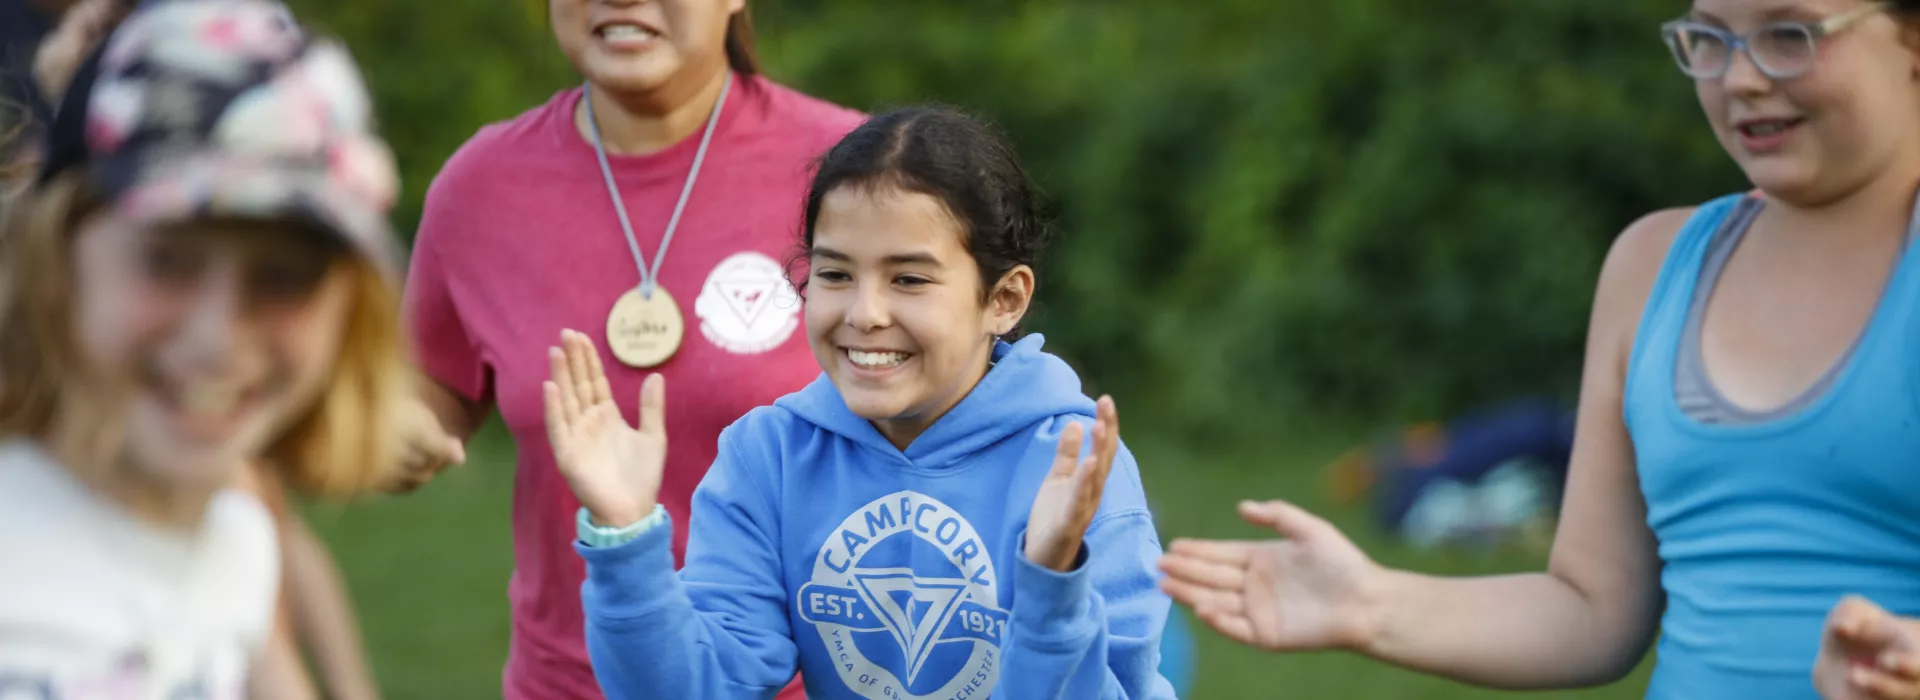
[1066, 560]
[1060, 558]
[618, 518]
[603, 537]
[1373, 624]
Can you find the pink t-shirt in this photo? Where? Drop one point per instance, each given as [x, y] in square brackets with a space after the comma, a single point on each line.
[520, 240]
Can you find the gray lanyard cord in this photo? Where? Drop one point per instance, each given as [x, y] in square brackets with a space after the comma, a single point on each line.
[648, 275]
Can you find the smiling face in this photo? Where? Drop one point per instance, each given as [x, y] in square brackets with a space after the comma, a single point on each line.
[1845, 121]
[216, 336]
[895, 310]
[632, 47]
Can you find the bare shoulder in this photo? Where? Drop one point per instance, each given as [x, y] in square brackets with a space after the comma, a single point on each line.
[1633, 266]
[1640, 249]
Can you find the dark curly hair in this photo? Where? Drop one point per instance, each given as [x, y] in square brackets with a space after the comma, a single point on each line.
[958, 159]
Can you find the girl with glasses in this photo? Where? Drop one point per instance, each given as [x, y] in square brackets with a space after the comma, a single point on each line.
[1749, 416]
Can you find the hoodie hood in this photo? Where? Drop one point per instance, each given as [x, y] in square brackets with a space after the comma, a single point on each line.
[1024, 386]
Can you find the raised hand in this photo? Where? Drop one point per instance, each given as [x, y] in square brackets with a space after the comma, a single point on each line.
[1307, 591]
[59, 55]
[1070, 495]
[1867, 653]
[613, 469]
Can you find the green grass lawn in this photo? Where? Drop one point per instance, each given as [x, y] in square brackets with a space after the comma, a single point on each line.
[429, 573]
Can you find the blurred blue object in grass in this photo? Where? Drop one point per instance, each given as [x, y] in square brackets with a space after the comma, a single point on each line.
[1469, 448]
[1177, 653]
[1498, 508]
[1487, 478]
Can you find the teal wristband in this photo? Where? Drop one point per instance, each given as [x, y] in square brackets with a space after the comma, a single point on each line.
[598, 537]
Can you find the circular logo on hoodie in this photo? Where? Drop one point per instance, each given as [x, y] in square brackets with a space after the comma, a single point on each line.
[747, 306]
[906, 600]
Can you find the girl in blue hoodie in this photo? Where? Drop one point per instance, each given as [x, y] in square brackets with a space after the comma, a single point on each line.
[920, 522]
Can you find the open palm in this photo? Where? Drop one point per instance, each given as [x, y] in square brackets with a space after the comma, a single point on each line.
[612, 468]
[1070, 495]
[1305, 592]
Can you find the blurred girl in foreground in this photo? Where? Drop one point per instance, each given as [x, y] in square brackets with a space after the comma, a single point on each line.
[199, 278]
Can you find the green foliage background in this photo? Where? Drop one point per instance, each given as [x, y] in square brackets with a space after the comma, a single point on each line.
[1363, 209]
[1282, 220]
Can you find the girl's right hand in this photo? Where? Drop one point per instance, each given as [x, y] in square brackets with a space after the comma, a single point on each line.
[1867, 653]
[613, 469]
[1312, 590]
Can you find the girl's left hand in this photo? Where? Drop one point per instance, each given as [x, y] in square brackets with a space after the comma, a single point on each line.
[1070, 495]
[1867, 653]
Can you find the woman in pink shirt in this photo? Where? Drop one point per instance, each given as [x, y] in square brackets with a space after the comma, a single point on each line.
[656, 205]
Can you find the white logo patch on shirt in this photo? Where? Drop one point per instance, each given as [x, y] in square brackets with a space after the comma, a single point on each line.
[905, 599]
[747, 306]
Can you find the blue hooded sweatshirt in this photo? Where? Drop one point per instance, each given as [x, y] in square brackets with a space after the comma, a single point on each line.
[885, 575]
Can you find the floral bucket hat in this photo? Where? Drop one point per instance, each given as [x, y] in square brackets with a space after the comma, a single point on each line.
[199, 108]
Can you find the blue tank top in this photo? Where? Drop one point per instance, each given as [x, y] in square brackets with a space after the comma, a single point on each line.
[1762, 527]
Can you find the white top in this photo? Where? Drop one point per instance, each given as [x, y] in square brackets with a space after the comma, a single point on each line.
[94, 603]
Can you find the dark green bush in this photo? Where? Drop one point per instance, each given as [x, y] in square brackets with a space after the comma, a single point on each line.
[1320, 210]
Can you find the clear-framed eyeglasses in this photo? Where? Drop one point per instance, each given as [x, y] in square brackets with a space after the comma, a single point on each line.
[1781, 50]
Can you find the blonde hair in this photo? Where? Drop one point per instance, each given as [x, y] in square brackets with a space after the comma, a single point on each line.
[346, 444]
[17, 158]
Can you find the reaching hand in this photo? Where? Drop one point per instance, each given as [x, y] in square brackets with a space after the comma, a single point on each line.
[1867, 653]
[426, 448]
[1070, 495]
[1308, 591]
[613, 469]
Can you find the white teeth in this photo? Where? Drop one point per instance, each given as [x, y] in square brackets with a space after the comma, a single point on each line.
[625, 31]
[206, 398]
[876, 360]
[1766, 128]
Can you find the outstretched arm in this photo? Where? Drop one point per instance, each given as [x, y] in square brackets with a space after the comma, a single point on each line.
[1587, 620]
